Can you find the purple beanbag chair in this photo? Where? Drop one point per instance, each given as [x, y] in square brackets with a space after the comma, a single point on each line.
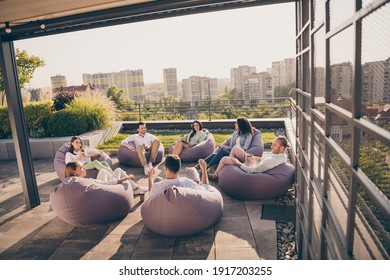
[256, 147]
[252, 186]
[59, 162]
[82, 202]
[182, 211]
[202, 150]
[127, 157]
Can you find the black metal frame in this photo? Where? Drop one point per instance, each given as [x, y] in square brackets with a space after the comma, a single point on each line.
[310, 189]
[18, 124]
[127, 14]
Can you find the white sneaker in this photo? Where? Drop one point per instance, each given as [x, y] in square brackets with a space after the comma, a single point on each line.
[150, 166]
[146, 170]
[140, 190]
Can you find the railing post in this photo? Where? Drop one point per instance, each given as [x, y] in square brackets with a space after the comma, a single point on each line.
[139, 112]
[209, 110]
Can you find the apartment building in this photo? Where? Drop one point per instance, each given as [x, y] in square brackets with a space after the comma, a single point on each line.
[341, 79]
[58, 81]
[197, 88]
[376, 81]
[239, 75]
[170, 82]
[283, 72]
[130, 81]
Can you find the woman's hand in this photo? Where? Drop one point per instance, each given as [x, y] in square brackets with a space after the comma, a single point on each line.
[202, 164]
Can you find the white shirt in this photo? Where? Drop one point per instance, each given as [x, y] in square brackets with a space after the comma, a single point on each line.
[69, 157]
[161, 186]
[137, 139]
[266, 164]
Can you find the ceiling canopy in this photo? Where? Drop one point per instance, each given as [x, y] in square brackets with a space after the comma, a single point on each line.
[28, 19]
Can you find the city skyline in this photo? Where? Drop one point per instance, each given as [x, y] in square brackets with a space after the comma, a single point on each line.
[197, 45]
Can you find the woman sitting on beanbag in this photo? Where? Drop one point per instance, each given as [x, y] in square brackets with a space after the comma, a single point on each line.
[78, 152]
[190, 140]
[240, 158]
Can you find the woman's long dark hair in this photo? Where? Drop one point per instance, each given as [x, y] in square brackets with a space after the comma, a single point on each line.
[244, 126]
[193, 129]
[74, 138]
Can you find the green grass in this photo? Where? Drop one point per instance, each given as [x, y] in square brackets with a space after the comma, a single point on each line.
[168, 138]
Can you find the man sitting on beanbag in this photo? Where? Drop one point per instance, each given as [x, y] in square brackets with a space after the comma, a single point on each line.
[172, 167]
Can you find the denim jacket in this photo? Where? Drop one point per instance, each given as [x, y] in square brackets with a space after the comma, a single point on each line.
[245, 140]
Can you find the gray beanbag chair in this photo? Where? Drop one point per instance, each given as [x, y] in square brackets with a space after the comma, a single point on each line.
[202, 150]
[59, 162]
[182, 211]
[256, 147]
[82, 202]
[125, 156]
[251, 186]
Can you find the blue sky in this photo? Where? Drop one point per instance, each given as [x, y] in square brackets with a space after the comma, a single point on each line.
[203, 45]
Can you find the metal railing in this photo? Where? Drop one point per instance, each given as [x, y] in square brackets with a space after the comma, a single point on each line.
[208, 109]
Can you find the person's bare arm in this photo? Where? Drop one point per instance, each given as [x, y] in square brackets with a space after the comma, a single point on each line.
[150, 179]
[128, 146]
[121, 180]
[203, 167]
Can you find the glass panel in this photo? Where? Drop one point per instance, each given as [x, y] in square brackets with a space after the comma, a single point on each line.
[318, 120]
[319, 63]
[306, 71]
[317, 213]
[299, 82]
[337, 191]
[369, 218]
[306, 135]
[318, 11]
[299, 16]
[341, 67]
[298, 45]
[340, 132]
[375, 79]
[374, 160]
[340, 11]
[335, 240]
[319, 150]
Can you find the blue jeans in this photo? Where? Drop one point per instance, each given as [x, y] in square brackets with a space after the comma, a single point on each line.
[215, 158]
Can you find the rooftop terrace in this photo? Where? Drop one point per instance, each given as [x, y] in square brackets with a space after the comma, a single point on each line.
[243, 233]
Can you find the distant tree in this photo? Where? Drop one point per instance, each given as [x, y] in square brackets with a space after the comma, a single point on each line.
[116, 95]
[232, 95]
[283, 91]
[26, 66]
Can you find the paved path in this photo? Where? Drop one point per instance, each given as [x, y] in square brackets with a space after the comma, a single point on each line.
[39, 234]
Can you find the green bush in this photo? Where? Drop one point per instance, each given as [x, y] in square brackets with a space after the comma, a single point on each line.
[37, 115]
[61, 100]
[98, 111]
[5, 127]
[67, 122]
